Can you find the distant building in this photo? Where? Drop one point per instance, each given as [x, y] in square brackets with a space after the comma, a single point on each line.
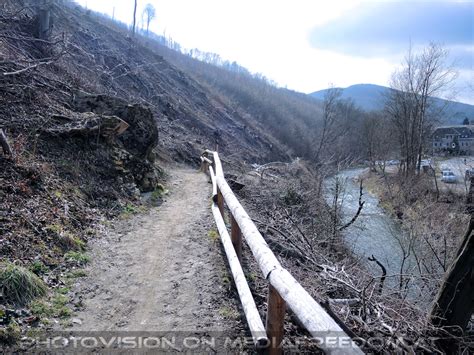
[457, 140]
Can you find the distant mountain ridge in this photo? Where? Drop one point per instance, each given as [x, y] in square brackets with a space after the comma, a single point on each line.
[370, 97]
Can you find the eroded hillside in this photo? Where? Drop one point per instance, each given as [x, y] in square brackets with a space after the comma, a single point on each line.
[64, 165]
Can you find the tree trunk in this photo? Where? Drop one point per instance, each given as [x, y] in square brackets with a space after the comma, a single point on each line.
[454, 303]
[4, 143]
[134, 18]
[44, 17]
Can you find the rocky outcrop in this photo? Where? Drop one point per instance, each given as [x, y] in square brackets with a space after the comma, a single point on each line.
[133, 154]
[142, 135]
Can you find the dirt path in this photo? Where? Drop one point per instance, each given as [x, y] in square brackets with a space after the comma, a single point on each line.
[160, 271]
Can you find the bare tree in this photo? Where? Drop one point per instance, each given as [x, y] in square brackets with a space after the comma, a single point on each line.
[330, 107]
[134, 18]
[377, 145]
[422, 76]
[150, 13]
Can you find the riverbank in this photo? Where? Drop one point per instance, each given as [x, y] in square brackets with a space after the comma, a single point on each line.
[433, 226]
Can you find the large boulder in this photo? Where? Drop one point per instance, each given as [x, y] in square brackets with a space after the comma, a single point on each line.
[134, 155]
[141, 136]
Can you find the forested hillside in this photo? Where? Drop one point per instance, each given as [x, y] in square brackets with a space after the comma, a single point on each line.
[371, 97]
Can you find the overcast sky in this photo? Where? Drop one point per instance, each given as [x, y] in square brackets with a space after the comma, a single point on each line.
[306, 45]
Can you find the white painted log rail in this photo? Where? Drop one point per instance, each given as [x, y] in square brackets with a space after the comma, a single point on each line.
[284, 290]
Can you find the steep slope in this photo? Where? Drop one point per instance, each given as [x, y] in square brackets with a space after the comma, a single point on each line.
[90, 115]
[371, 98]
[95, 58]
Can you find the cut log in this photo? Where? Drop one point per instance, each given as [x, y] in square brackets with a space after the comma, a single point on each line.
[7, 150]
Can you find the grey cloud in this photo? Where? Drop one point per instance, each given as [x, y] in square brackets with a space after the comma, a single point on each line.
[386, 28]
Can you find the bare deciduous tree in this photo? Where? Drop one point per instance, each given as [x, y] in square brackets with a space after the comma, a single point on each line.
[150, 13]
[422, 76]
[330, 106]
[376, 143]
[134, 18]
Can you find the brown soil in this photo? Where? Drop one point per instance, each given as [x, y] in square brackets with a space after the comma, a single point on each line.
[160, 271]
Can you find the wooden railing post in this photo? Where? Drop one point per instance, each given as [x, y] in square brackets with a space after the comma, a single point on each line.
[204, 166]
[276, 309]
[220, 202]
[281, 283]
[236, 236]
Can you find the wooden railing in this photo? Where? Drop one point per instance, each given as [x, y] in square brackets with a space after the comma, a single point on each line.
[283, 289]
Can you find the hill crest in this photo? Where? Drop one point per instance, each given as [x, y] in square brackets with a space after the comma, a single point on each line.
[370, 97]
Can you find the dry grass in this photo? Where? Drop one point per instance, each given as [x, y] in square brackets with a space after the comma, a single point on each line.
[20, 286]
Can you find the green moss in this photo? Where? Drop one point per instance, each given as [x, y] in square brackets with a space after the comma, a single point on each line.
[79, 257]
[251, 276]
[55, 228]
[20, 286]
[10, 334]
[158, 193]
[63, 290]
[55, 307]
[38, 268]
[40, 309]
[229, 313]
[226, 279]
[130, 209]
[213, 234]
[81, 245]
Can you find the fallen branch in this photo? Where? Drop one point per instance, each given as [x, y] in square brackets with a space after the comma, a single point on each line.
[43, 61]
[31, 39]
[384, 272]
[27, 68]
[359, 210]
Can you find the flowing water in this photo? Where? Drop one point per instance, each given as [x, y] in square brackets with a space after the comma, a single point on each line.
[374, 232]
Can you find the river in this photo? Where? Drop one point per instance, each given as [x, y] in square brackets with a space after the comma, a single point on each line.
[374, 232]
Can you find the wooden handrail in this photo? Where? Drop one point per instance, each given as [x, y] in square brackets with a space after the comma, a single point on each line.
[283, 286]
[248, 304]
